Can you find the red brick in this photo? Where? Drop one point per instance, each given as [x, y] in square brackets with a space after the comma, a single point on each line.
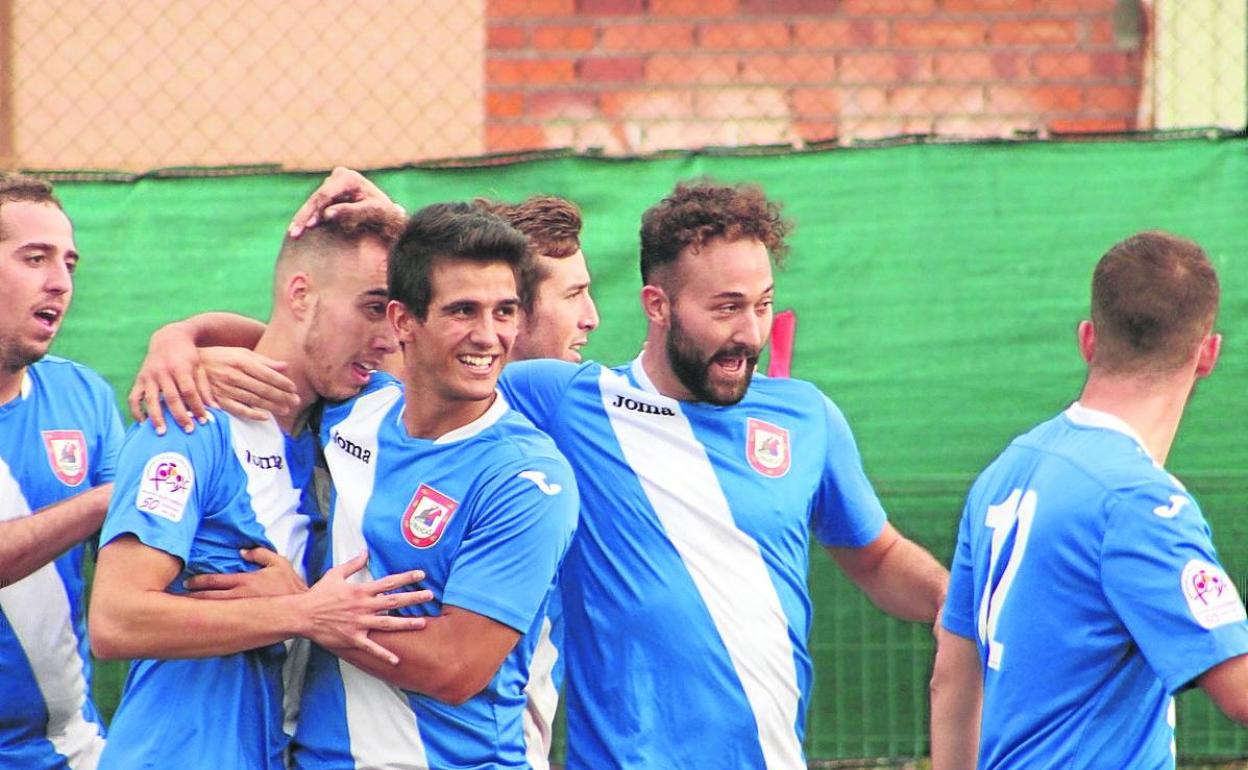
[564, 38]
[940, 34]
[887, 7]
[1079, 66]
[647, 105]
[937, 100]
[513, 72]
[741, 103]
[693, 7]
[788, 68]
[504, 104]
[988, 6]
[1091, 125]
[500, 38]
[816, 131]
[789, 7]
[568, 105]
[1037, 32]
[1101, 31]
[611, 7]
[863, 102]
[1113, 99]
[884, 68]
[964, 67]
[500, 138]
[685, 134]
[760, 34]
[839, 33]
[529, 8]
[1034, 99]
[708, 70]
[808, 103]
[612, 69]
[647, 37]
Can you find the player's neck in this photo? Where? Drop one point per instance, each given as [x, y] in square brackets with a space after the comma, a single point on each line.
[10, 383]
[1152, 409]
[659, 369]
[280, 345]
[427, 416]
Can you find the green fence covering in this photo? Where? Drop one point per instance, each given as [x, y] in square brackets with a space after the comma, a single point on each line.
[937, 289]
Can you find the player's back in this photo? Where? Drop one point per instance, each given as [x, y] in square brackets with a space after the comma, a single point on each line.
[1065, 538]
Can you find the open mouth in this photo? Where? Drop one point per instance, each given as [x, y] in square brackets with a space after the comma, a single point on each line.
[476, 363]
[363, 371]
[48, 317]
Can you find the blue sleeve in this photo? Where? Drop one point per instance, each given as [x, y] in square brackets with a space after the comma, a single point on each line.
[846, 512]
[958, 615]
[163, 486]
[516, 542]
[1161, 574]
[535, 388]
[104, 469]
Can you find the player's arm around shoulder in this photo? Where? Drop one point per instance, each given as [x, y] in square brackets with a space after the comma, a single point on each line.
[503, 572]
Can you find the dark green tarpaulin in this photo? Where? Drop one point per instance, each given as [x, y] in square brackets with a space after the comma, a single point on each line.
[937, 289]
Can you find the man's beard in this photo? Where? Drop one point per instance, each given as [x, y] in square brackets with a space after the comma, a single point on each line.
[694, 372]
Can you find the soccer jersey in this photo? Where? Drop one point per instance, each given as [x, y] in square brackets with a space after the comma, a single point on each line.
[685, 601]
[487, 511]
[1087, 577]
[58, 438]
[201, 497]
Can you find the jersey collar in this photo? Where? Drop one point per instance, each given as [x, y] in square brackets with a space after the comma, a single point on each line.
[491, 416]
[1095, 418]
[639, 374]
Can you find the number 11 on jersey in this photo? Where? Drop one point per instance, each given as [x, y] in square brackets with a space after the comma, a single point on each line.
[1014, 515]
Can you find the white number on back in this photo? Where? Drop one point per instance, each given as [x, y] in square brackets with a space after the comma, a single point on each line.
[1016, 512]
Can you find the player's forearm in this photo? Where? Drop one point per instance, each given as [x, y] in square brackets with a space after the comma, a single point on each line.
[906, 582]
[440, 660]
[29, 542]
[957, 695]
[222, 330]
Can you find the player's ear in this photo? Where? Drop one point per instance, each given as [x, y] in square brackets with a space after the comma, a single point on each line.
[1210, 348]
[402, 319]
[656, 304]
[1087, 340]
[298, 294]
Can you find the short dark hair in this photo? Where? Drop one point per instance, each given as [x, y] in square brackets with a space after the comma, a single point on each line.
[19, 188]
[697, 211]
[1154, 297]
[452, 231]
[344, 231]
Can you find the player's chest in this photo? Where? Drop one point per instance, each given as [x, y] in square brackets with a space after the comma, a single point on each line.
[419, 519]
[48, 455]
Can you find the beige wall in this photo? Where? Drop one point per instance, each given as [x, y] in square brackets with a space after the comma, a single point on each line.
[307, 84]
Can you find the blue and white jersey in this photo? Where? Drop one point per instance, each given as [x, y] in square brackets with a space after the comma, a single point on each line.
[1087, 577]
[685, 601]
[58, 438]
[487, 511]
[201, 497]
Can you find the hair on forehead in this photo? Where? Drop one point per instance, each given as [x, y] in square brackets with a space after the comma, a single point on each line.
[701, 210]
[20, 188]
[453, 231]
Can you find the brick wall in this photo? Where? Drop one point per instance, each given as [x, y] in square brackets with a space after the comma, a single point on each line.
[643, 75]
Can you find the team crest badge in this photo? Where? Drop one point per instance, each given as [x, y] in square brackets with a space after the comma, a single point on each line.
[67, 454]
[426, 516]
[767, 448]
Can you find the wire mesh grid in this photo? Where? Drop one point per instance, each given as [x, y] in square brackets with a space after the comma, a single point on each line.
[104, 84]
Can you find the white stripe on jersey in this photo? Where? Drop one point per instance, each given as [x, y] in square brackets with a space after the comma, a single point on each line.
[541, 700]
[681, 486]
[38, 610]
[273, 495]
[380, 722]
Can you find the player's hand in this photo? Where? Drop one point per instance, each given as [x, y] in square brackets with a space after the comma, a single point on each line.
[344, 192]
[341, 611]
[171, 371]
[247, 384]
[276, 577]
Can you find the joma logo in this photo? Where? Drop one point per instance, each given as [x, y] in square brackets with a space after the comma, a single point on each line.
[634, 405]
[352, 448]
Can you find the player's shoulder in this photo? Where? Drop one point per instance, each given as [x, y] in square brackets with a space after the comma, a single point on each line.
[784, 390]
[60, 372]
[552, 371]
[1100, 448]
[381, 392]
[514, 438]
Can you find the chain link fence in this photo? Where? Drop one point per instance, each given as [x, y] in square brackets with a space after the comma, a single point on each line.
[105, 84]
